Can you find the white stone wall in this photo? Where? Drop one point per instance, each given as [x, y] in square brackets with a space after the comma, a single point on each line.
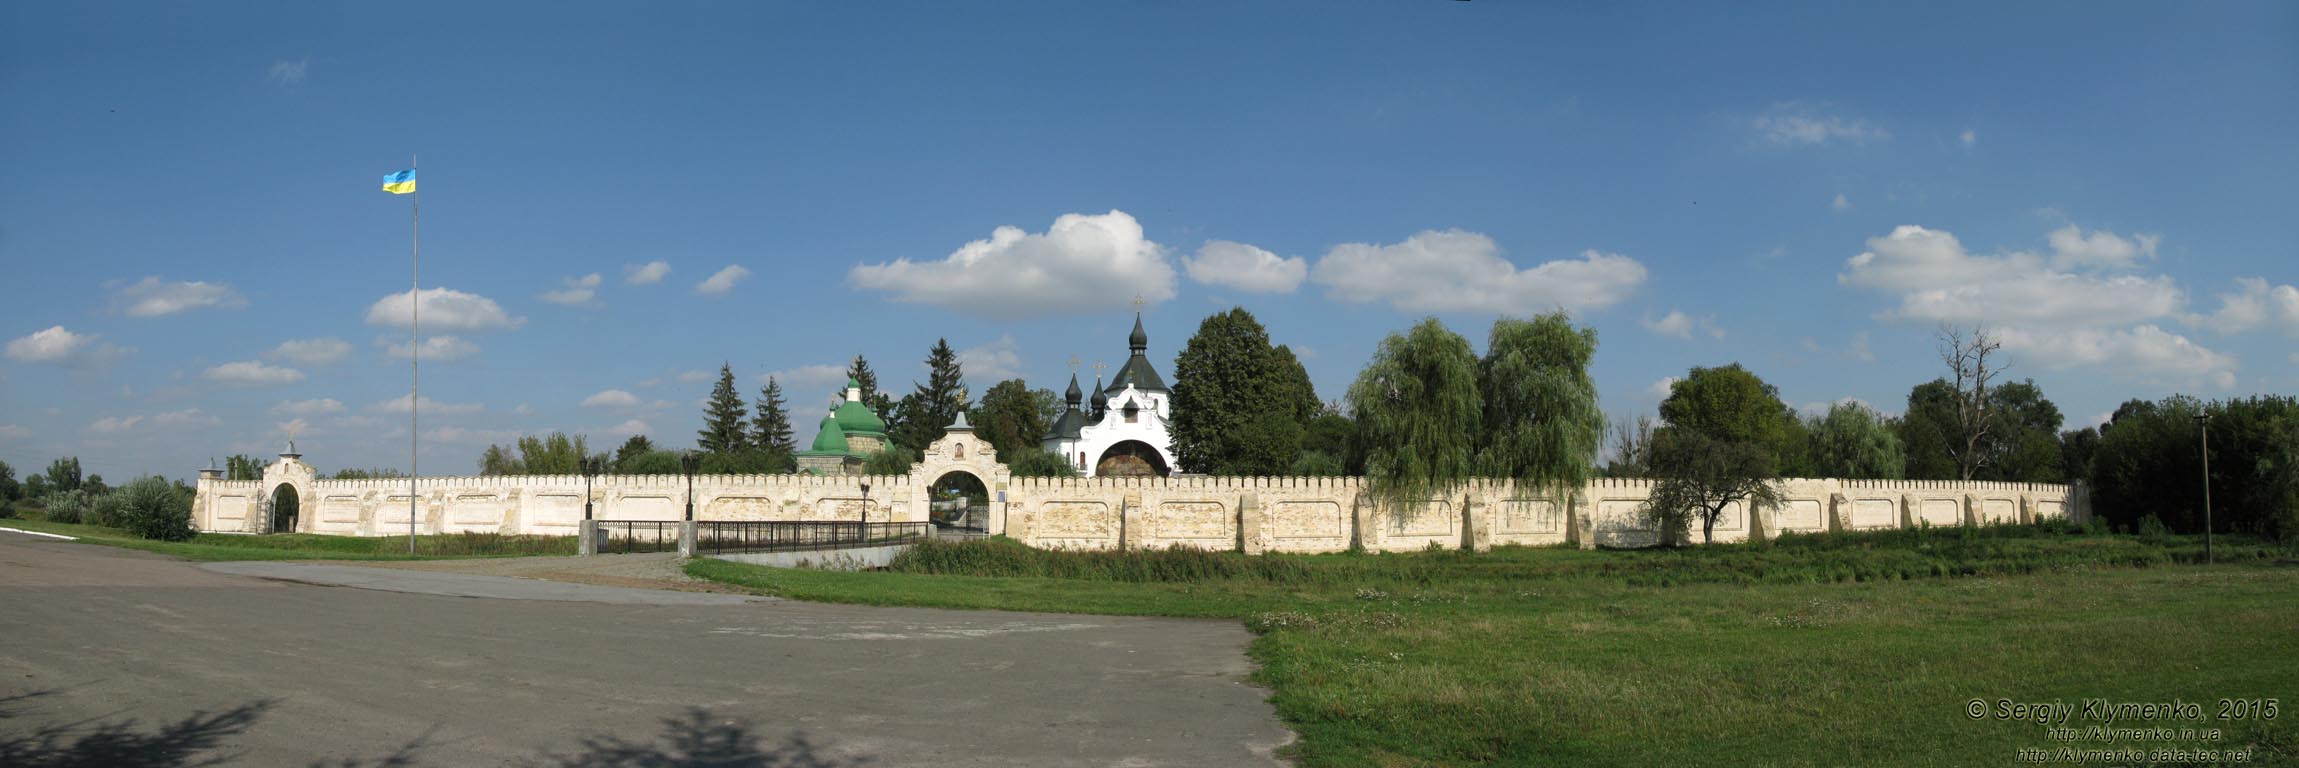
[1251, 514]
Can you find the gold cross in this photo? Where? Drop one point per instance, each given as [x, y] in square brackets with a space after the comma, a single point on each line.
[1138, 302]
[1073, 363]
[1100, 366]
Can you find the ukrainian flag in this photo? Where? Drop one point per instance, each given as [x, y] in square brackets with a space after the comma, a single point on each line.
[399, 183]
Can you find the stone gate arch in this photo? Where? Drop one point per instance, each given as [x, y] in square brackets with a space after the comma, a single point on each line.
[960, 450]
[291, 474]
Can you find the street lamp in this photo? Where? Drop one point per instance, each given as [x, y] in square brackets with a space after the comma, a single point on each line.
[2204, 420]
[688, 461]
[866, 502]
[591, 466]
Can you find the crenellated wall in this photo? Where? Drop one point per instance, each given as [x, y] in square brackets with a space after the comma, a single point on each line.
[1250, 514]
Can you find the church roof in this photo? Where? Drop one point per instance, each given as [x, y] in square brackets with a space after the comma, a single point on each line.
[1137, 370]
[854, 417]
[1070, 425]
[830, 439]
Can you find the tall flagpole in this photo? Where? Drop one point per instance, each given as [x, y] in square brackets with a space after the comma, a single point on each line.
[414, 354]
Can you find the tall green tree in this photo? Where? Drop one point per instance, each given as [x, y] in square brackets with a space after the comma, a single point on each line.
[9, 489]
[1011, 418]
[1927, 429]
[723, 427]
[1853, 441]
[2023, 446]
[2149, 462]
[2076, 449]
[241, 466]
[1418, 412]
[1720, 442]
[1227, 376]
[64, 474]
[770, 428]
[633, 448]
[879, 402]
[924, 415]
[1542, 427]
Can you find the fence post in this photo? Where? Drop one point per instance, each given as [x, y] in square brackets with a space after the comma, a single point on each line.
[686, 538]
[588, 534]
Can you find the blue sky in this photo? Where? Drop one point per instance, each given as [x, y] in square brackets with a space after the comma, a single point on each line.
[199, 256]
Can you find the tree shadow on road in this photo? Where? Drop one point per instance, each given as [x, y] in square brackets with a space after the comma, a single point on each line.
[122, 742]
[699, 739]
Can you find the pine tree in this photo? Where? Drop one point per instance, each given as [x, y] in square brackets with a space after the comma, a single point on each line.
[771, 427]
[723, 430]
[879, 402]
[936, 403]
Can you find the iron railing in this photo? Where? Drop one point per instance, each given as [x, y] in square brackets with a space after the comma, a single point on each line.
[726, 537]
[627, 536]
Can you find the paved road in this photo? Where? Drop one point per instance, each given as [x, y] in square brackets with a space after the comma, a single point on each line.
[106, 653]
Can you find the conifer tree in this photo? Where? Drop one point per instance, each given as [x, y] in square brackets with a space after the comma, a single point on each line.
[772, 424]
[936, 403]
[723, 429]
[879, 402]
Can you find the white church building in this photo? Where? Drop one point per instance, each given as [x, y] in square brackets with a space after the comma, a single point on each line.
[1124, 430]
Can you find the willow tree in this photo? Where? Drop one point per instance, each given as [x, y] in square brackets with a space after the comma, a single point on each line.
[1542, 426]
[1418, 414]
[1853, 441]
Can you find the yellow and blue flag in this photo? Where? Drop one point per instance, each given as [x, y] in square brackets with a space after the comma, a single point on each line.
[399, 183]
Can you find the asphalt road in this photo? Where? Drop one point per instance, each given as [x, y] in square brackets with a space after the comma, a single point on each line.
[116, 657]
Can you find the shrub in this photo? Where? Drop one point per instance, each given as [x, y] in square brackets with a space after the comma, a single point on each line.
[150, 507]
[1039, 462]
[103, 509]
[67, 506]
[893, 460]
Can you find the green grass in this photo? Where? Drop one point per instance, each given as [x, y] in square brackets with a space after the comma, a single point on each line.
[211, 547]
[1857, 649]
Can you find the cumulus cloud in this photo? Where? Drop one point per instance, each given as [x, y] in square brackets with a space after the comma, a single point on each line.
[1661, 388]
[575, 291]
[189, 417]
[57, 345]
[250, 373]
[443, 309]
[613, 398]
[1245, 267]
[320, 351]
[627, 428]
[151, 297]
[722, 281]
[2254, 304]
[2071, 309]
[1794, 124]
[444, 349]
[1082, 263]
[399, 405]
[696, 376]
[1677, 323]
[1457, 271]
[313, 407]
[646, 274]
[991, 363]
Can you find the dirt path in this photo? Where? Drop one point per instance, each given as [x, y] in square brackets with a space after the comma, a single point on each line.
[654, 570]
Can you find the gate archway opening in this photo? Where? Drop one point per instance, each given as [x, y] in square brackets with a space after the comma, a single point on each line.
[959, 499]
[286, 509]
[1131, 458]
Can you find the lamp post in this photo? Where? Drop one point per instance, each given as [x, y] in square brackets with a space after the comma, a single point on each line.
[2204, 420]
[590, 467]
[862, 529]
[688, 461]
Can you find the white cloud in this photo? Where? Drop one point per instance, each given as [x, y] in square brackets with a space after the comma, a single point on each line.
[189, 417]
[443, 309]
[2072, 249]
[14, 432]
[1939, 281]
[807, 378]
[115, 424]
[696, 376]
[2088, 317]
[2145, 348]
[1245, 267]
[627, 429]
[469, 436]
[295, 426]
[1860, 349]
[1457, 271]
[722, 281]
[444, 349]
[1660, 389]
[312, 407]
[1840, 203]
[1969, 138]
[990, 363]
[1082, 263]
[1677, 323]
[56, 345]
[399, 405]
[320, 351]
[286, 72]
[2254, 304]
[613, 398]
[250, 373]
[575, 290]
[1793, 124]
[150, 297]
[646, 274]
[523, 409]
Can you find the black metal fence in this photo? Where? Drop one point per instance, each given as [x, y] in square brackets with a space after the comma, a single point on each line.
[627, 536]
[720, 538]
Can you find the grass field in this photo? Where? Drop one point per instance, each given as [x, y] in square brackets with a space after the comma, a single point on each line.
[213, 547]
[1858, 649]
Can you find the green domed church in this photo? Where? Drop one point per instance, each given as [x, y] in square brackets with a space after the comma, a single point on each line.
[848, 435]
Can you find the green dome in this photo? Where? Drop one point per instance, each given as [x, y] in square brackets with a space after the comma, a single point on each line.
[854, 417]
[830, 439]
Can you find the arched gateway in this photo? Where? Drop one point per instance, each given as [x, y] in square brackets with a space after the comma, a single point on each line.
[286, 495]
[963, 462]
